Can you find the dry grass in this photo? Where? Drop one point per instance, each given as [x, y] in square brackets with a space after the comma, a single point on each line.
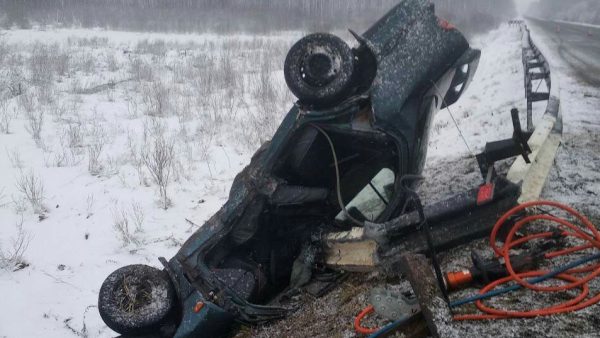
[32, 189]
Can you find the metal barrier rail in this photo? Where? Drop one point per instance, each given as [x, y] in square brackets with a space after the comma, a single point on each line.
[536, 68]
[547, 133]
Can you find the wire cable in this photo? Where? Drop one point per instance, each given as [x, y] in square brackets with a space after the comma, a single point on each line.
[337, 176]
[390, 327]
[464, 139]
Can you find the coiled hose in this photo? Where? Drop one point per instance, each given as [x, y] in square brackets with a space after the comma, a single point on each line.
[570, 273]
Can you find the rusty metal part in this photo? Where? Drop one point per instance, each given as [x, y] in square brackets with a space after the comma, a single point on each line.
[393, 305]
[417, 270]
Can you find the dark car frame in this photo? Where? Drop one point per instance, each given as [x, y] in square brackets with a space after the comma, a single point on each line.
[337, 161]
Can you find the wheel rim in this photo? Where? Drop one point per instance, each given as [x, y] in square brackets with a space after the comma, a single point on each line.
[133, 294]
[319, 69]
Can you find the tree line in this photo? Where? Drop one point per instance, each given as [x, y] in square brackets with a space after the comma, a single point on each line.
[573, 10]
[236, 15]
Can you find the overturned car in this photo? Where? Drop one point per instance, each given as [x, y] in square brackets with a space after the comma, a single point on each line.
[338, 161]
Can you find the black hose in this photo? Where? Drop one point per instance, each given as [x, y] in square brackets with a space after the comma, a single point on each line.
[337, 177]
[413, 197]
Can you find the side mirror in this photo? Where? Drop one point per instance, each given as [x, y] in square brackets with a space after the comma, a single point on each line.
[465, 68]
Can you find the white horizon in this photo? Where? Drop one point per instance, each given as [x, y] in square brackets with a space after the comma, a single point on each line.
[522, 5]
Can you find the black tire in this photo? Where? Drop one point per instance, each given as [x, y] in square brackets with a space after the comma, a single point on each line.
[319, 69]
[136, 299]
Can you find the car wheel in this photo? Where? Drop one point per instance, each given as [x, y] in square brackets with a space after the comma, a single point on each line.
[319, 69]
[136, 299]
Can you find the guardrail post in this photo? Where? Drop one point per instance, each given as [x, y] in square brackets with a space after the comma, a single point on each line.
[546, 136]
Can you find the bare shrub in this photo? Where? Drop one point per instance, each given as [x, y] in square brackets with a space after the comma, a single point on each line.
[28, 102]
[94, 149]
[259, 126]
[4, 49]
[62, 63]
[74, 135]
[110, 93]
[85, 62]
[57, 159]
[132, 106]
[138, 215]
[20, 205]
[141, 70]
[35, 123]
[3, 202]
[202, 75]
[6, 116]
[110, 166]
[213, 112]
[156, 48]
[264, 90]
[97, 139]
[89, 206]
[201, 62]
[179, 70]
[13, 81]
[69, 150]
[226, 71]
[40, 65]
[230, 103]
[135, 158]
[13, 257]
[203, 141]
[14, 156]
[46, 94]
[159, 159]
[111, 62]
[32, 188]
[58, 111]
[156, 99]
[76, 86]
[121, 225]
[93, 42]
[183, 108]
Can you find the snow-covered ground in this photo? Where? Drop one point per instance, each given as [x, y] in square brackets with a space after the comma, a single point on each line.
[108, 99]
[482, 115]
[575, 177]
[78, 201]
[574, 180]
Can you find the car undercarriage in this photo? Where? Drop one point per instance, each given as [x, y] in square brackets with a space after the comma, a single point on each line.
[345, 160]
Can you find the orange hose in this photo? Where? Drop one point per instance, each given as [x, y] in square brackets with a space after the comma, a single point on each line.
[568, 229]
[357, 321]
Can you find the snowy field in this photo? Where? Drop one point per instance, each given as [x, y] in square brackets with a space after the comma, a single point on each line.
[116, 138]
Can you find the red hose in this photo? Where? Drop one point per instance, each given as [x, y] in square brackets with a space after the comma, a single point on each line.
[357, 321]
[568, 229]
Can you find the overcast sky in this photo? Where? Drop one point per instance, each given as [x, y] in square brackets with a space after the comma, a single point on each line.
[523, 4]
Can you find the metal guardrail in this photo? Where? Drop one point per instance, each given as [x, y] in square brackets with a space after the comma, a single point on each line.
[536, 68]
[547, 133]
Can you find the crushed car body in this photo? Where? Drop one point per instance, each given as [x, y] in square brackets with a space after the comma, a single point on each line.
[342, 163]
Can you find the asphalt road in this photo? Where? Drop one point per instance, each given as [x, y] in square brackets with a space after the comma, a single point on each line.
[578, 45]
